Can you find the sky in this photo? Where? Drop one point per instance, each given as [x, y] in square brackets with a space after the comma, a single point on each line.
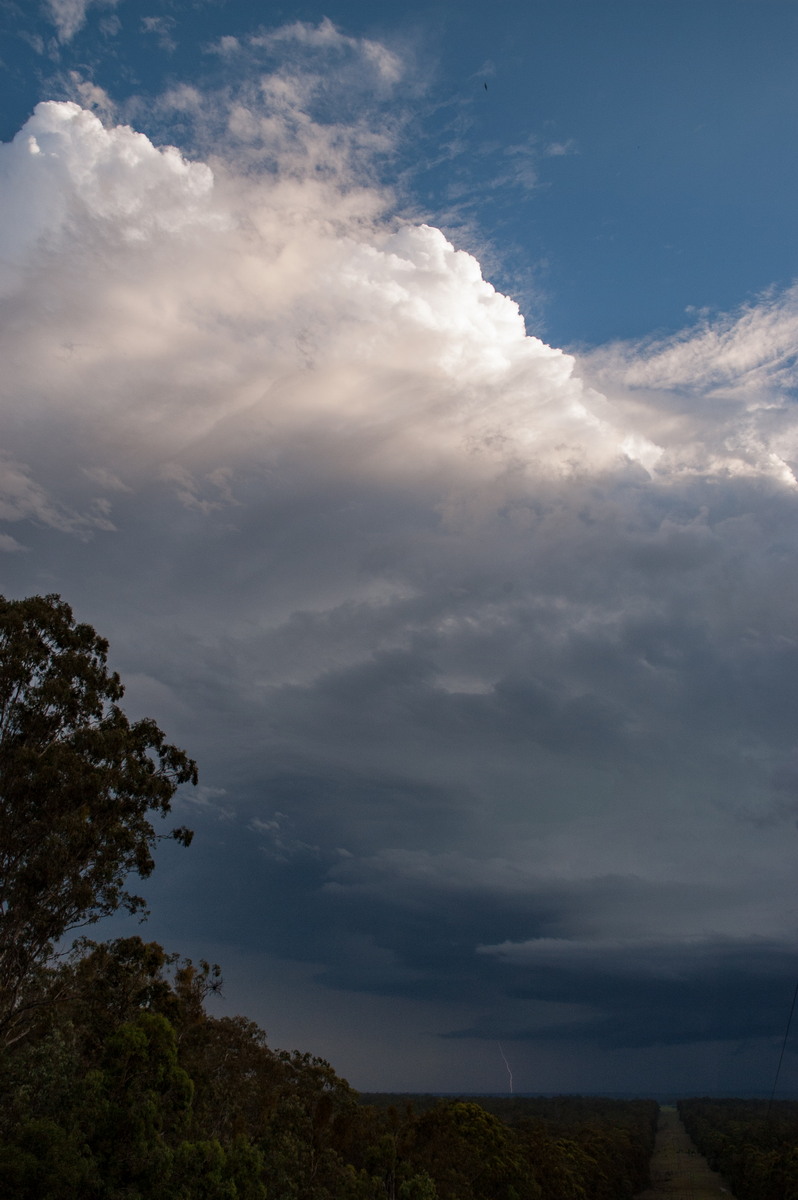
[409, 396]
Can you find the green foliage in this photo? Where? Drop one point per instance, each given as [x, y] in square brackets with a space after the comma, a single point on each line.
[472, 1154]
[418, 1187]
[753, 1144]
[78, 782]
[46, 1162]
[567, 1148]
[206, 1171]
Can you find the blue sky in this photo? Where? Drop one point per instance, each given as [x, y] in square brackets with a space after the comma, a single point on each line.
[427, 452]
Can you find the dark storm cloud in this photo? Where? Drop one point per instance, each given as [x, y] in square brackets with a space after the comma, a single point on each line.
[660, 993]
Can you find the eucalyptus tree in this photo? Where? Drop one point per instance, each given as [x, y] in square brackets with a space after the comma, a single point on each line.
[79, 786]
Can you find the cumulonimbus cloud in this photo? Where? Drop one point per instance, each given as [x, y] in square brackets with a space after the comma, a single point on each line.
[431, 590]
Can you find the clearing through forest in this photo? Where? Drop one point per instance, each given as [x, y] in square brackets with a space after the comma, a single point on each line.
[678, 1171]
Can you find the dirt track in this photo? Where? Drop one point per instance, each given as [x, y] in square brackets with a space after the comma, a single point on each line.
[678, 1171]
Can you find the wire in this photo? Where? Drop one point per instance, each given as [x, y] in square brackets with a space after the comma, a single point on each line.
[783, 1048]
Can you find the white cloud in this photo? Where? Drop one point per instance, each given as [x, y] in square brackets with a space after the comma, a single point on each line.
[227, 45]
[752, 352]
[162, 28]
[183, 98]
[327, 37]
[65, 169]
[560, 149]
[69, 16]
[718, 397]
[90, 96]
[421, 358]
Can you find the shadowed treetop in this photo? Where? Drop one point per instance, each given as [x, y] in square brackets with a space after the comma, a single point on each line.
[79, 783]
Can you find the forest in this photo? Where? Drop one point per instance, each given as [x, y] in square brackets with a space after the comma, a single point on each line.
[752, 1143]
[128, 1088]
[117, 1083]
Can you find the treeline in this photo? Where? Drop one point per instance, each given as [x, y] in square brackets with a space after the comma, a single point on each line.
[588, 1148]
[128, 1089]
[753, 1144]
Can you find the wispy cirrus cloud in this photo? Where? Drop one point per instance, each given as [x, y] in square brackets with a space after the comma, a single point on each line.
[69, 16]
[752, 351]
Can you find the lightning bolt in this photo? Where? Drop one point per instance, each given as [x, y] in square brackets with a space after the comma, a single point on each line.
[507, 1065]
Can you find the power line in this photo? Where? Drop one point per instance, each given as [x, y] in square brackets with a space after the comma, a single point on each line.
[783, 1048]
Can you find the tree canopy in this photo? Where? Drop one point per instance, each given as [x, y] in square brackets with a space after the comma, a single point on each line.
[79, 784]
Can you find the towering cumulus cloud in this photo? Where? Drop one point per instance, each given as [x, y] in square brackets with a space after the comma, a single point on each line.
[162, 313]
[501, 643]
